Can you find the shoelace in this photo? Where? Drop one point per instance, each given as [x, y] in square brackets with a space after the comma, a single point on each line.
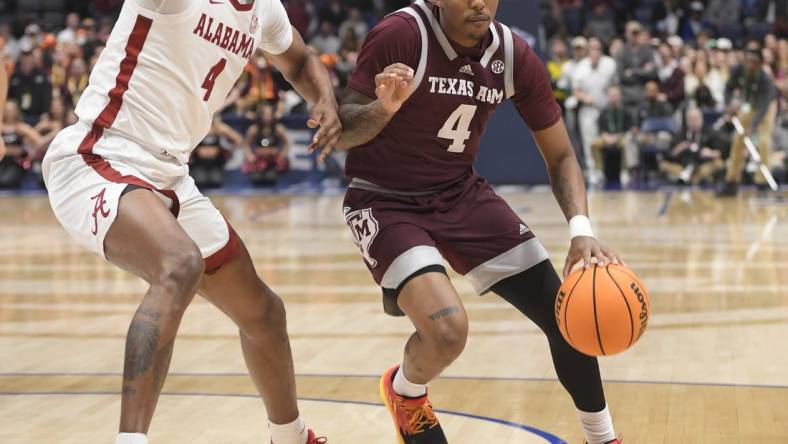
[417, 418]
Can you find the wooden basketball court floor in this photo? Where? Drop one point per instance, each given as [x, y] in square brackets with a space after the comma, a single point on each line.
[712, 368]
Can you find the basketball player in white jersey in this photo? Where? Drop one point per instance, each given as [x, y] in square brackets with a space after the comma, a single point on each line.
[118, 182]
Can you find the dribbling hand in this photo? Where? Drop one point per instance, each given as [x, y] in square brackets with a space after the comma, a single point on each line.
[589, 250]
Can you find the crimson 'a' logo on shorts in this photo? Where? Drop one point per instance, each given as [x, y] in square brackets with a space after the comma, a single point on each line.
[364, 228]
[98, 208]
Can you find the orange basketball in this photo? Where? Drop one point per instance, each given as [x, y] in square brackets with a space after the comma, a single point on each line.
[602, 310]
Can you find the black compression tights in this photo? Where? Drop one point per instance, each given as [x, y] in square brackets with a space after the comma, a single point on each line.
[533, 292]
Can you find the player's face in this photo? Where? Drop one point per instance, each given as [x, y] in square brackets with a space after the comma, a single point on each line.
[468, 21]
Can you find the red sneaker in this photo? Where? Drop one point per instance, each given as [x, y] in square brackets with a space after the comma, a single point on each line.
[618, 440]
[414, 418]
[312, 439]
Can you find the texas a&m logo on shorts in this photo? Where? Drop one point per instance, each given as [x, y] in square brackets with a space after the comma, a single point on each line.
[364, 228]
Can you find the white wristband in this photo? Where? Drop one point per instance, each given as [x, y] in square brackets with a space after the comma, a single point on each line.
[580, 226]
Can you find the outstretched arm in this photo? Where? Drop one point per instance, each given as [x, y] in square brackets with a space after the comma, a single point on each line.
[310, 78]
[569, 189]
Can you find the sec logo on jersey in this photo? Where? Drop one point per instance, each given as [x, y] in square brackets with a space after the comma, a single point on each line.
[254, 25]
[498, 66]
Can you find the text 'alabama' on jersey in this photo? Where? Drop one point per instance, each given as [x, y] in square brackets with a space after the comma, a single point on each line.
[167, 74]
[434, 138]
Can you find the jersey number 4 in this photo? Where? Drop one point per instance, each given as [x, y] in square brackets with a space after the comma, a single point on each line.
[457, 127]
[210, 79]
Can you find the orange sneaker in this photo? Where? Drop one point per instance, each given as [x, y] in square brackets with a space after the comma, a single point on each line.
[414, 418]
[312, 439]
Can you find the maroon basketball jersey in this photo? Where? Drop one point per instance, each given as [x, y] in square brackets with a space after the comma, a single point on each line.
[434, 138]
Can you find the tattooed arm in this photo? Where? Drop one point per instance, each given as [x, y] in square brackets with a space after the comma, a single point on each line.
[569, 189]
[362, 117]
[566, 177]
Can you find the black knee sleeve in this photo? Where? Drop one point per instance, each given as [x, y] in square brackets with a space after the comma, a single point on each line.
[533, 293]
[390, 295]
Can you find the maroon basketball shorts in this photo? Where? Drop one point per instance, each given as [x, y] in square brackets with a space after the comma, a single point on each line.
[467, 225]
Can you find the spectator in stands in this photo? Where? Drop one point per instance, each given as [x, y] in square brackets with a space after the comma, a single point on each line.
[601, 23]
[635, 65]
[701, 76]
[723, 59]
[571, 14]
[31, 39]
[266, 148]
[617, 129]
[209, 158]
[326, 41]
[19, 138]
[670, 75]
[616, 45]
[655, 103]
[54, 120]
[332, 12]
[579, 52]
[590, 81]
[300, 13]
[696, 155]
[69, 34]
[347, 57]
[356, 23]
[750, 95]
[720, 13]
[76, 82]
[693, 23]
[666, 16]
[30, 86]
[10, 45]
[90, 42]
[555, 67]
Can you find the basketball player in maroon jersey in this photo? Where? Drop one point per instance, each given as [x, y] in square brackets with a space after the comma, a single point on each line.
[428, 79]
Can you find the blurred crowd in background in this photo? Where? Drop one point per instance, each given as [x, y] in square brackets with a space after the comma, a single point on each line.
[653, 89]
[649, 87]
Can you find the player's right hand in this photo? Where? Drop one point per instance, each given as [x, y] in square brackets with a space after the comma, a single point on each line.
[394, 86]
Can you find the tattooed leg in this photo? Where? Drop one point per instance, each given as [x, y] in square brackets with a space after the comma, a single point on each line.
[432, 304]
[146, 240]
[149, 345]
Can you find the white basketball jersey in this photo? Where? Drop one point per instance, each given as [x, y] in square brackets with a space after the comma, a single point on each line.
[161, 77]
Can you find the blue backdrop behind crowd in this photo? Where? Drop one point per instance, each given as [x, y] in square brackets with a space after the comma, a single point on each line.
[508, 153]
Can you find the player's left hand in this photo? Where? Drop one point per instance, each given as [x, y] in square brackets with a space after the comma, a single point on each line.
[325, 114]
[589, 251]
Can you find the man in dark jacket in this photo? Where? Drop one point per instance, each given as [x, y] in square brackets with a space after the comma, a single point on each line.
[697, 152]
[617, 128]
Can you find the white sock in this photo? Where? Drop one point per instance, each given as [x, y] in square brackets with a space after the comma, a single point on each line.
[597, 426]
[131, 438]
[291, 433]
[406, 388]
